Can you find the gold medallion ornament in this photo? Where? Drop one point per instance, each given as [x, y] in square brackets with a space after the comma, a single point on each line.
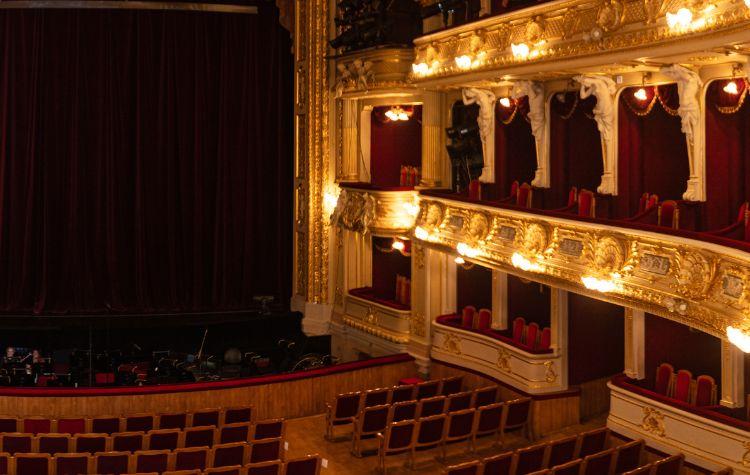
[694, 274]
[503, 360]
[452, 344]
[610, 15]
[535, 238]
[478, 227]
[653, 422]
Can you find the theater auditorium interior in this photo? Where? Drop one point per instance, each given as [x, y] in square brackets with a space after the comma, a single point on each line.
[346, 237]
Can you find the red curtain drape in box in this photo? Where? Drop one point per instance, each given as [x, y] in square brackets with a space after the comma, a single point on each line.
[393, 144]
[145, 160]
[727, 153]
[515, 149]
[473, 287]
[652, 149]
[575, 147]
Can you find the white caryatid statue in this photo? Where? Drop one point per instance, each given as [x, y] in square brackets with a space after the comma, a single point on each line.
[604, 89]
[486, 122]
[537, 118]
[688, 88]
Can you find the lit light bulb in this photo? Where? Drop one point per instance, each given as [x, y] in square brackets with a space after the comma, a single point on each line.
[463, 62]
[737, 337]
[330, 201]
[680, 20]
[505, 102]
[403, 116]
[420, 69]
[747, 3]
[600, 285]
[398, 245]
[520, 51]
[459, 260]
[640, 94]
[391, 115]
[521, 262]
[396, 113]
[466, 250]
[421, 233]
[731, 86]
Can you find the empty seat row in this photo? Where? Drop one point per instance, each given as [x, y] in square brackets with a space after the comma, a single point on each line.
[438, 430]
[701, 391]
[145, 461]
[308, 465]
[129, 423]
[158, 439]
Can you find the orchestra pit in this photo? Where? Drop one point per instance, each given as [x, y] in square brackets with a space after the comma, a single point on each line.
[354, 237]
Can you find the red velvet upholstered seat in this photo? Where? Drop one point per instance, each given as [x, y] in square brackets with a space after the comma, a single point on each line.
[516, 416]
[664, 375]
[488, 420]
[475, 190]
[586, 204]
[232, 415]
[545, 339]
[467, 316]
[191, 458]
[71, 426]
[344, 410]
[8, 424]
[308, 465]
[376, 397]
[429, 433]
[519, 326]
[266, 449]
[17, 442]
[532, 333]
[225, 455]
[206, 417]
[460, 401]
[484, 396]
[513, 190]
[562, 450]
[147, 461]
[235, 432]
[431, 406]
[629, 456]
[33, 464]
[396, 440]
[572, 196]
[570, 468]
[484, 321]
[530, 459]
[500, 464]
[682, 385]
[163, 439]
[466, 468]
[428, 389]
[127, 441]
[53, 443]
[272, 467]
[705, 391]
[523, 198]
[402, 411]
[175, 420]
[105, 424]
[371, 421]
[451, 385]
[113, 463]
[599, 463]
[71, 464]
[202, 436]
[91, 443]
[404, 392]
[460, 425]
[139, 423]
[37, 425]
[592, 442]
[669, 214]
[269, 428]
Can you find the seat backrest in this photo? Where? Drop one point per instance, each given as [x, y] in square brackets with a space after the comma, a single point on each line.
[592, 442]
[376, 397]
[105, 424]
[682, 385]
[399, 435]
[484, 321]
[53, 443]
[37, 425]
[430, 430]
[174, 420]
[91, 443]
[460, 423]
[642, 470]
[466, 468]
[489, 418]
[225, 455]
[653, 201]
[272, 467]
[570, 468]
[162, 439]
[431, 406]
[269, 428]
[308, 465]
[532, 333]
[265, 449]
[523, 198]
[599, 463]
[516, 412]
[484, 396]
[669, 214]
[17, 442]
[127, 441]
[402, 411]
[451, 385]
[587, 204]
[139, 423]
[530, 459]
[8, 424]
[642, 201]
[475, 190]
[742, 213]
[373, 419]
[513, 189]
[404, 392]
[500, 464]
[519, 325]
[572, 196]
[562, 450]
[71, 464]
[545, 339]
[459, 401]
[234, 432]
[347, 405]
[467, 316]
[428, 389]
[206, 417]
[202, 436]
[113, 463]
[234, 470]
[71, 426]
[152, 461]
[705, 390]
[33, 464]
[629, 456]
[233, 415]
[191, 458]
[664, 375]
[669, 466]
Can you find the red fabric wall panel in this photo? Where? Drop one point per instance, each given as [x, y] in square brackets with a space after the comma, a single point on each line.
[682, 347]
[393, 144]
[652, 154]
[727, 159]
[473, 287]
[529, 300]
[386, 266]
[596, 339]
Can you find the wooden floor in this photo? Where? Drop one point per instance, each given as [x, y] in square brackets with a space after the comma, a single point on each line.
[305, 436]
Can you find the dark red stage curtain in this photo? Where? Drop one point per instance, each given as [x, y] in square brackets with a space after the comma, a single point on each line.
[575, 147]
[387, 263]
[530, 300]
[473, 287]
[595, 339]
[727, 153]
[145, 160]
[393, 144]
[682, 347]
[653, 154]
[515, 150]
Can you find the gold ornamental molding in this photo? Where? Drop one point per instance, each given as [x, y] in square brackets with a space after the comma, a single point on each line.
[383, 213]
[653, 422]
[581, 32]
[700, 284]
[370, 72]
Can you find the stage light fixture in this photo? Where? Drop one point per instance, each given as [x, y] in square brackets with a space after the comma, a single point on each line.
[641, 93]
[396, 114]
[731, 86]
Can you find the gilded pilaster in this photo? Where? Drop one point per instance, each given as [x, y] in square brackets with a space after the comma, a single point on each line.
[433, 139]
[350, 142]
[732, 375]
[635, 341]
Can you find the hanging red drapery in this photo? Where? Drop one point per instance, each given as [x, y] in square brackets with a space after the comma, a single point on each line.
[652, 151]
[515, 148]
[394, 144]
[727, 152]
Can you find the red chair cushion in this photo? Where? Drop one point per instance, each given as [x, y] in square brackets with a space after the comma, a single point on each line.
[467, 316]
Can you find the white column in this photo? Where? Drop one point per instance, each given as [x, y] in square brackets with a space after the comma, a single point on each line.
[350, 141]
[499, 300]
[433, 139]
[635, 343]
[559, 328]
[732, 375]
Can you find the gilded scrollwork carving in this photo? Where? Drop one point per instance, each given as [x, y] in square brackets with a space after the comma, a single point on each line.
[550, 375]
[477, 227]
[503, 360]
[610, 15]
[417, 325]
[693, 273]
[452, 344]
[653, 422]
[534, 238]
[606, 255]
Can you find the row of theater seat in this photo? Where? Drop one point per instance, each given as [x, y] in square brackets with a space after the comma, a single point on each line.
[345, 408]
[468, 425]
[157, 439]
[529, 336]
[266, 453]
[128, 423]
[701, 391]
